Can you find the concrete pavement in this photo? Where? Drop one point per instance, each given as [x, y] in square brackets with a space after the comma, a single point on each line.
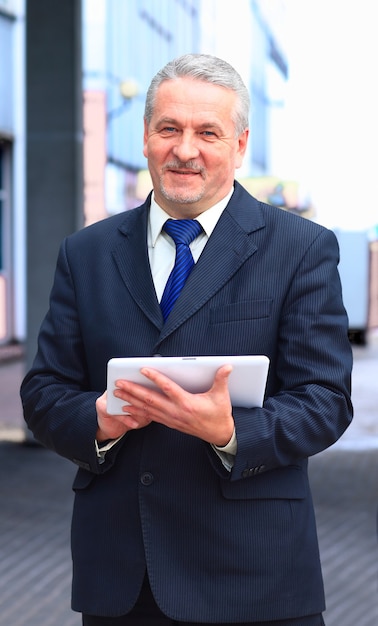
[36, 502]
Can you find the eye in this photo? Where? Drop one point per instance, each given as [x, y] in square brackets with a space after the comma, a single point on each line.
[208, 134]
[169, 129]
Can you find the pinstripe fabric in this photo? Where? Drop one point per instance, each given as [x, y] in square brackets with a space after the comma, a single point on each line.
[218, 548]
[183, 232]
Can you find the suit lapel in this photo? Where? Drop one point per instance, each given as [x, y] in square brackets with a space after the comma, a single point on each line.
[229, 246]
[131, 257]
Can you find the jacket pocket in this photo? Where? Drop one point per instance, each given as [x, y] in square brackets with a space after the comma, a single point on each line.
[247, 310]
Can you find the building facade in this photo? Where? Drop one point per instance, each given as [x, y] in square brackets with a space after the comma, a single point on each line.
[12, 171]
[123, 45]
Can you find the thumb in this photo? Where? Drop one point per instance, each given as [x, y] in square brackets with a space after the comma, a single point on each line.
[221, 378]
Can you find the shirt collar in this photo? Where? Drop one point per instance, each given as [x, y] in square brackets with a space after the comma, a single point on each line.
[208, 219]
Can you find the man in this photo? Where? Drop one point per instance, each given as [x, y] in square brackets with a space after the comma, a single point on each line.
[189, 510]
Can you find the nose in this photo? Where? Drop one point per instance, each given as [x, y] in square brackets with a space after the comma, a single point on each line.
[185, 148]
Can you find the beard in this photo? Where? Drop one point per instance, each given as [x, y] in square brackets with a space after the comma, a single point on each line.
[181, 195]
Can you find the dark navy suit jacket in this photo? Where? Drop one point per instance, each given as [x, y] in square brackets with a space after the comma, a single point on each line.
[218, 546]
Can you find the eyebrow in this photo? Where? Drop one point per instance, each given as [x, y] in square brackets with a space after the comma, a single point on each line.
[166, 120]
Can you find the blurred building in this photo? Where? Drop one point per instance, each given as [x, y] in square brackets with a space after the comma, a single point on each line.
[12, 171]
[73, 79]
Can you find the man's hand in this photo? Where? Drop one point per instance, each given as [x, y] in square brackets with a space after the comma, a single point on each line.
[207, 416]
[114, 426]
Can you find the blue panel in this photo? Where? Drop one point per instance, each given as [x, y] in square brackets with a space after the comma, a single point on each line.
[6, 75]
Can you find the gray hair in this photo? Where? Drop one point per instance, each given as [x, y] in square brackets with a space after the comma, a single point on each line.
[209, 69]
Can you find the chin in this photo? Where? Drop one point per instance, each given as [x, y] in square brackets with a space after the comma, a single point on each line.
[181, 197]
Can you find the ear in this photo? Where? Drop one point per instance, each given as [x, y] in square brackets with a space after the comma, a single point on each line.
[241, 148]
[145, 138]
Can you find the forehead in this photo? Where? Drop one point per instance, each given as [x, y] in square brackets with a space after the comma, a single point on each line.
[188, 96]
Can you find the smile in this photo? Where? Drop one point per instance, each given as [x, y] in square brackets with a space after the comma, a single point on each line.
[184, 172]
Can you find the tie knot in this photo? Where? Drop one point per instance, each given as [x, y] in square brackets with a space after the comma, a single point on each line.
[182, 231]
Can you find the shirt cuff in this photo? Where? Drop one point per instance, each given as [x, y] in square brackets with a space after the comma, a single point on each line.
[101, 450]
[227, 453]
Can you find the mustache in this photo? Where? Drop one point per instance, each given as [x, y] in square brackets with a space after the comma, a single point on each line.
[187, 165]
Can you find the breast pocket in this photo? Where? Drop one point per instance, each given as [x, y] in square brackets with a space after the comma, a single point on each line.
[241, 311]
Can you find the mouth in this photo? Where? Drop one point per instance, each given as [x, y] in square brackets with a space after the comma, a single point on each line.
[180, 170]
[184, 172]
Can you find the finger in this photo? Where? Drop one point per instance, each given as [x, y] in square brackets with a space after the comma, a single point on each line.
[165, 384]
[221, 378]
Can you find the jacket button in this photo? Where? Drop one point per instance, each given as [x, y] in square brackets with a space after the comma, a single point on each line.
[146, 479]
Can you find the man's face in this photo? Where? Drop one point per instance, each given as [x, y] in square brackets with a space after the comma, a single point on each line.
[191, 146]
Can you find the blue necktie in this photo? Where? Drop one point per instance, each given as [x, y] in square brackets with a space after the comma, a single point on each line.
[183, 232]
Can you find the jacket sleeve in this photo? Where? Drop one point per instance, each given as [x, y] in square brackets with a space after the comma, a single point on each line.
[307, 405]
[57, 394]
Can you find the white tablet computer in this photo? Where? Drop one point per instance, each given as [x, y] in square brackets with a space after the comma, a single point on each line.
[247, 380]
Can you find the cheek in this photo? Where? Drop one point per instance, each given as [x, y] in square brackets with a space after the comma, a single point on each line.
[153, 152]
[222, 164]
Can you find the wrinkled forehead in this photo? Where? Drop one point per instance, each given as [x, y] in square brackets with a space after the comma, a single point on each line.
[205, 101]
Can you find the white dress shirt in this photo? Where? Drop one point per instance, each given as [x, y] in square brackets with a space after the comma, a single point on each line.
[162, 248]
